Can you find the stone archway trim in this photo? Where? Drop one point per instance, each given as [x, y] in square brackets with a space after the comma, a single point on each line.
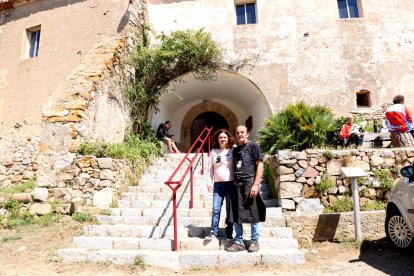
[195, 111]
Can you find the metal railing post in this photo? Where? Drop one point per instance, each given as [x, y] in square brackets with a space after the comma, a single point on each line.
[175, 220]
[191, 188]
[202, 161]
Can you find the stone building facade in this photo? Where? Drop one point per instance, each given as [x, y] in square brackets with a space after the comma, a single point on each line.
[62, 72]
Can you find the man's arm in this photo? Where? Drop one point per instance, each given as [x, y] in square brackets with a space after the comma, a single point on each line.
[258, 177]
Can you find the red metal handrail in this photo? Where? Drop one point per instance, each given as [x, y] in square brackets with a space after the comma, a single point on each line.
[174, 185]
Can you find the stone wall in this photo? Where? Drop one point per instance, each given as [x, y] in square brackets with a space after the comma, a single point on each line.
[18, 161]
[328, 227]
[299, 172]
[88, 181]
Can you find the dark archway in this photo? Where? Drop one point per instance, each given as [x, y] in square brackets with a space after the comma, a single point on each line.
[207, 119]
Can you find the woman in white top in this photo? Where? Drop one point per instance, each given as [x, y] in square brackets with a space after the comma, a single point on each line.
[220, 179]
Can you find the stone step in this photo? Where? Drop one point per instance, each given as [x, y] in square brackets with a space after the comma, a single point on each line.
[182, 221]
[127, 243]
[181, 202]
[164, 188]
[181, 211]
[203, 195]
[147, 231]
[183, 259]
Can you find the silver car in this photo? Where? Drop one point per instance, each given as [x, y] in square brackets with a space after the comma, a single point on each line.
[399, 221]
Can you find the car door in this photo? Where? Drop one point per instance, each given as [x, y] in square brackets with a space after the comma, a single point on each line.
[409, 202]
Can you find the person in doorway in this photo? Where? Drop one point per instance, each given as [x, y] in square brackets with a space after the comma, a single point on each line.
[350, 133]
[247, 205]
[220, 180]
[399, 121]
[166, 137]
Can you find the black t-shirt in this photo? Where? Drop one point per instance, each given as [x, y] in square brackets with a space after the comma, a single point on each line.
[245, 157]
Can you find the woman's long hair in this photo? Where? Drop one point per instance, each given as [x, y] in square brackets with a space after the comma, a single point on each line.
[230, 138]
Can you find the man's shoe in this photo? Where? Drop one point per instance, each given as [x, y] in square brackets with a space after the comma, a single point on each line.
[236, 247]
[210, 237]
[253, 247]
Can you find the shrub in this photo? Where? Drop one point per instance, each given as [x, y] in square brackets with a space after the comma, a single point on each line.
[13, 207]
[343, 204]
[325, 184]
[328, 154]
[48, 219]
[270, 176]
[105, 212]
[297, 127]
[385, 179]
[374, 205]
[140, 262]
[82, 217]
[19, 188]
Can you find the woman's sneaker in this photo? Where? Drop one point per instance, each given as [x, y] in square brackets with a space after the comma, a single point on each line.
[236, 247]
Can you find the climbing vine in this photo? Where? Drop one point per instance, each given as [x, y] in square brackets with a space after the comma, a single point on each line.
[158, 63]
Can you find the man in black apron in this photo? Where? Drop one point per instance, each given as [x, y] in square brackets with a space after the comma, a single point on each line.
[246, 204]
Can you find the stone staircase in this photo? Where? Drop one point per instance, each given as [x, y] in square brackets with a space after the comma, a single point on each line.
[142, 227]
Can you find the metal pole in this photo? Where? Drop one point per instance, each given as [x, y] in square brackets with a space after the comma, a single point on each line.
[357, 216]
[175, 221]
[191, 188]
[202, 161]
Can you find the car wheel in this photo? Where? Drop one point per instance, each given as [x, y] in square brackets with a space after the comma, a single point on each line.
[397, 231]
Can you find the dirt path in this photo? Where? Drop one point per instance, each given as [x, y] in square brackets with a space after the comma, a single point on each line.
[30, 251]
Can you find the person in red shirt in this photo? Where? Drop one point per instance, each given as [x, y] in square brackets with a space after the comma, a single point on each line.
[350, 134]
[399, 121]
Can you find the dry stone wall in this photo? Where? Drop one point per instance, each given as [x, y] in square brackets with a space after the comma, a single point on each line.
[88, 106]
[298, 173]
[19, 161]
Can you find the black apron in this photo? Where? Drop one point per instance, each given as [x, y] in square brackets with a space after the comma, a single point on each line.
[245, 209]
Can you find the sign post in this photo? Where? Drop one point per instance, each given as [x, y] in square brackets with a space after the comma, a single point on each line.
[354, 173]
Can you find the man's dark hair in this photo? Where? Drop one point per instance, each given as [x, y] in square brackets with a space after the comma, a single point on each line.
[398, 99]
[167, 122]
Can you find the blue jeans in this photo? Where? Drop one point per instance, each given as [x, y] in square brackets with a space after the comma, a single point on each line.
[221, 190]
[255, 232]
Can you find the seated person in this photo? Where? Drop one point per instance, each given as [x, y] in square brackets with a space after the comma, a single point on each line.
[162, 134]
[351, 134]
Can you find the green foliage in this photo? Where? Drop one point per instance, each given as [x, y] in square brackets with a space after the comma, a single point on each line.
[140, 262]
[297, 127]
[13, 207]
[374, 205]
[133, 148]
[10, 238]
[197, 268]
[366, 126]
[325, 184]
[328, 154]
[105, 212]
[270, 175]
[385, 179]
[343, 204]
[157, 64]
[19, 188]
[82, 217]
[48, 219]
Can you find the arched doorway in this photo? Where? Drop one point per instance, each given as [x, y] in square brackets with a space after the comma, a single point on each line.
[207, 119]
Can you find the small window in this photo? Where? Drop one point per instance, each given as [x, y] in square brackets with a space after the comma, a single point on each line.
[33, 38]
[363, 98]
[246, 13]
[348, 8]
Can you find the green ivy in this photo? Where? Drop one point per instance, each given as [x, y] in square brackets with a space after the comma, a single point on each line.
[157, 64]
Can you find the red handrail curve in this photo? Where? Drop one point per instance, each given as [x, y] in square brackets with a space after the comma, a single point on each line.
[174, 185]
